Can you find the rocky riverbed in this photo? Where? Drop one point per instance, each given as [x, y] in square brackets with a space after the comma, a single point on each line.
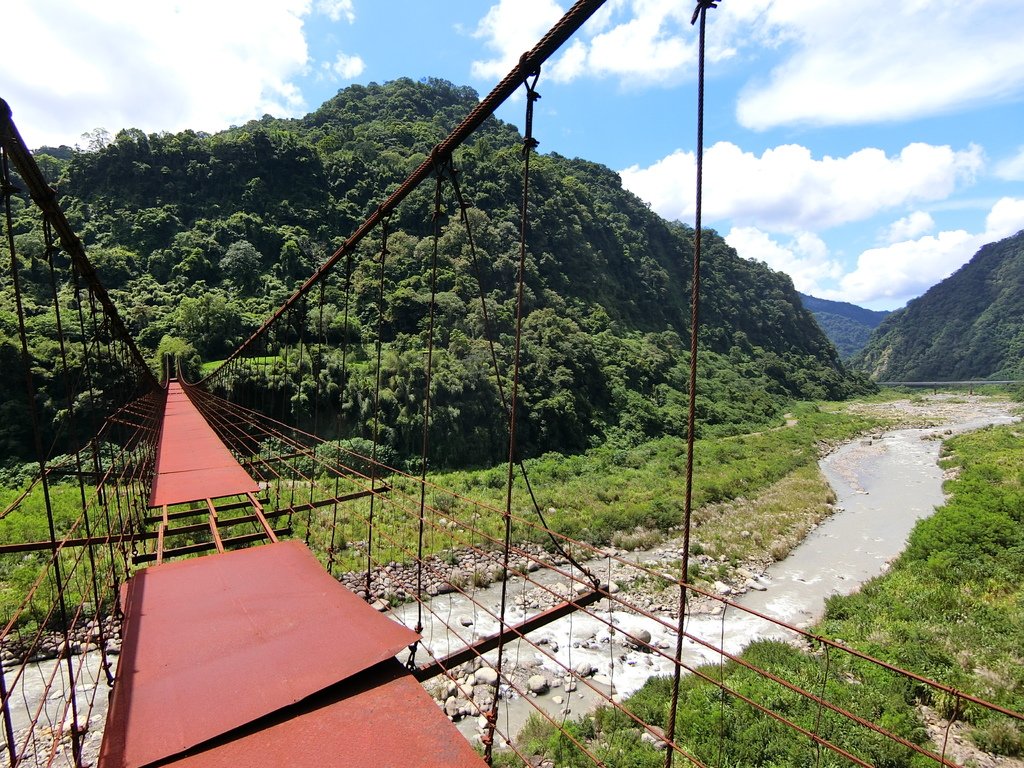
[884, 483]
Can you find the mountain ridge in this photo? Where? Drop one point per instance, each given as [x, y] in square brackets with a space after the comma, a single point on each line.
[198, 237]
[847, 325]
[969, 326]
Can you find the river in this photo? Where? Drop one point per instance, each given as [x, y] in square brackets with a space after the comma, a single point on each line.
[883, 485]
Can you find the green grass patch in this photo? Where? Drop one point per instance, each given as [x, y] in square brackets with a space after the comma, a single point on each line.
[212, 365]
[599, 494]
[951, 609]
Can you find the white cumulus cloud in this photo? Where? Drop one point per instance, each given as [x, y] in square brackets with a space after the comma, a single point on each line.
[345, 67]
[652, 46]
[787, 189]
[336, 9]
[910, 226]
[511, 28]
[882, 278]
[202, 64]
[874, 60]
[892, 275]
[1006, 218]
[804, 257]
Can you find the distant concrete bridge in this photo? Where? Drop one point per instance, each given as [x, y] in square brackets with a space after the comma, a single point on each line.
[959, 384]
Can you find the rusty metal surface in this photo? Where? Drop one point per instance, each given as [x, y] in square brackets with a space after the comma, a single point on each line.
[382, 718]
[213, 643]
[191, 462]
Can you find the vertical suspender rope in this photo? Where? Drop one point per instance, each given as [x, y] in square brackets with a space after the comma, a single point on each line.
[699, 13]
[529, 144]
[499, 381]
[427, 402]
[428, 371]
[341, 412]
[315, 361]
[376, 409]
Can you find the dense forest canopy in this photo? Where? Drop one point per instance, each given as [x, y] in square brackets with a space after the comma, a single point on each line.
[969, 326]
[198, 237]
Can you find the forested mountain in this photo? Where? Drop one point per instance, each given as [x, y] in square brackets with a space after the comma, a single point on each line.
[200, 236]
[969, 326]
[848, 326]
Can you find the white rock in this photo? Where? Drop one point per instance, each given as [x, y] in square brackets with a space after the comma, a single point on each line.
[451, 707]
[537, 684]
[486, 676]
[656, 739]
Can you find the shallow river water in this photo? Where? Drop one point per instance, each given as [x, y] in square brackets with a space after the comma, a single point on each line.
[883, 486]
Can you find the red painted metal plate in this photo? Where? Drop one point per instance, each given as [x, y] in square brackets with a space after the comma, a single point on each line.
[191, 461]
[216, 642]
[383, 719]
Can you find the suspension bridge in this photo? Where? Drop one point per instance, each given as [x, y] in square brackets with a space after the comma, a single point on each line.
[234, 589]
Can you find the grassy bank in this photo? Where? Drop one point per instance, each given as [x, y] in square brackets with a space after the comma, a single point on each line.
[600, 494]
[951, 608]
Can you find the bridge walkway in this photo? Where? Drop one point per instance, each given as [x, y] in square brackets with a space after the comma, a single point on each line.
[257, 656]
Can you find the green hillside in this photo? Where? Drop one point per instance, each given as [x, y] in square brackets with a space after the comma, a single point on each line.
[200, 236]
[847, 326]
[969, 326]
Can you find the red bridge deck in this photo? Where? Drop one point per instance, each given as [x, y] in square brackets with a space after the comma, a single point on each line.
[192, 463]
[259, 657]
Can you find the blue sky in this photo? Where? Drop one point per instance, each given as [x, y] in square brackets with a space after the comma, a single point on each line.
[866, 148]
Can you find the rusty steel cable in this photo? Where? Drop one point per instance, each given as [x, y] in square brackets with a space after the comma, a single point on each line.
[529, 144]
[700, 13]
